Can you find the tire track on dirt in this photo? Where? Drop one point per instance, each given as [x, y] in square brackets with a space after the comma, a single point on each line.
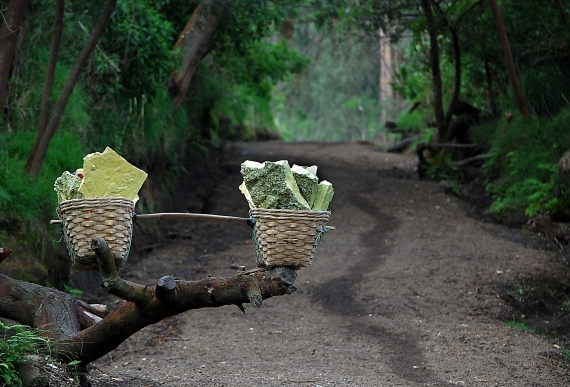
[336, 296]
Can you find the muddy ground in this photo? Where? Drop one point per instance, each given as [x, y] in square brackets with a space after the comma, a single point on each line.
[411, 289]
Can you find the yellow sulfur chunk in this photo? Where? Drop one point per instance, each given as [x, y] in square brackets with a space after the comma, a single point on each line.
[109, 175]
[245, 193]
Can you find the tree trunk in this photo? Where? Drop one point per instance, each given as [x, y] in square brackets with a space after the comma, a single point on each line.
[9, 32]
[193, 42]
[457, 83]
[84, 332]
[14, 87]
[510, 64]
[37, 159]
[435, 72]
[490, 90]
[50, 76]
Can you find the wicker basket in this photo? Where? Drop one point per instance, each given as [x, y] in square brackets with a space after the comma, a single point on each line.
[287, 237]
[82, 219]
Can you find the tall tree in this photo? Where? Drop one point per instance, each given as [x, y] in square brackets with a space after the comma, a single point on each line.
[453, 27]
[435, 67]
[9, 32]
[509, 62]
[43, 139]
[193, 42]
[49, 79]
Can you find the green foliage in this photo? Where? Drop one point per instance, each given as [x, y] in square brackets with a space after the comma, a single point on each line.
[411, 122]
[16, 343]
[143, 130]
[246, 63]
[74, 367]
[25, 116]
[523, 167]
[231, 89]
[545, 88]
[76, 293]
[26, 199]
[263, 65]
[413, 81]
[245, 83]
[139, 41]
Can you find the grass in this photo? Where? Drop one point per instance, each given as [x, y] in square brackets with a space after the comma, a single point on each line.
[26, 199]
[519, 325]
[18, 341]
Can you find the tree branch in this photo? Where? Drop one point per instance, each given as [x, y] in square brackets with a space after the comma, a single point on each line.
[85, 332]
[110, 280]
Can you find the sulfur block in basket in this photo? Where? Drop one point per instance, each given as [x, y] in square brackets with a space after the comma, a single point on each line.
[67, 187]
[325, 194]
[109, 175]
[247, 195]
[307, 183]
[272, 185]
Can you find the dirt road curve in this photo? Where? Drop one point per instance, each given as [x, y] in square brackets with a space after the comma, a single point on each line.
[405, 291]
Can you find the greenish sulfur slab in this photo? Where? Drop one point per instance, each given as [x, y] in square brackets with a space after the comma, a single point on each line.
[67, 187]
[325, 194]
[272, 185]
[307, 183]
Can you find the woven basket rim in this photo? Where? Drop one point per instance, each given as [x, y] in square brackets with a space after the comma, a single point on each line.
[71, 204]
[107, 198]
[286, 211]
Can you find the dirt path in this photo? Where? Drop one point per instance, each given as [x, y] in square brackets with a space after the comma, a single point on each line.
[407, 291]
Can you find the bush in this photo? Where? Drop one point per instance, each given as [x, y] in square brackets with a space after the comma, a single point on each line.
[523, 167]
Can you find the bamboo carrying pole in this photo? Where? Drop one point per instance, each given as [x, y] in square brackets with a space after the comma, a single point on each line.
[185, 216]
[191, 216]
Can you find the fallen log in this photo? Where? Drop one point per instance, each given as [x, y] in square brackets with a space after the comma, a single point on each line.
[471, 160]
[403, 145]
